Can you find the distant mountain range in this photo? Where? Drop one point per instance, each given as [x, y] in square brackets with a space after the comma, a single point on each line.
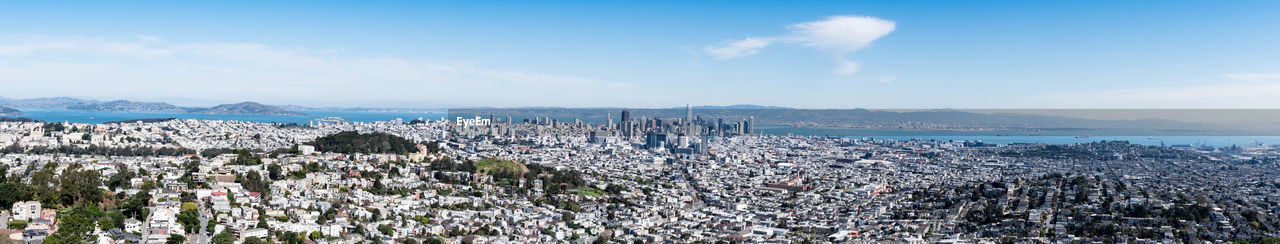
[44, 102]
[128, 106]
[736, 106]
[366, 110]
[244, 108]
[9, 111]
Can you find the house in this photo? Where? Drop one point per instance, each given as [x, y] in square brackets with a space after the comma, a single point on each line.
[26, 210]
[306, 149]
[124, 236]
[260, 233]
[132, 225]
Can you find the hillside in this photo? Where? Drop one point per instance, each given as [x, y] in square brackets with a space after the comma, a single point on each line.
[9, 111]
[246, 108]
[354, 142]
[127, 106]
[493, 166]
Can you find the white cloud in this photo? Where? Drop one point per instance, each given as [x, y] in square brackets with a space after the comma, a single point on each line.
[1253, 76]
[148, 66]
[836, 35]
[842, 34]
[740, 48]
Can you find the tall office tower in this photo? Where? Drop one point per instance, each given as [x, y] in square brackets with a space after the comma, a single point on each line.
[751, 124]
[719, 125]
[688, 110]
[491, 120]
[609, 117]
[651, 140]
[624, 125]
[631, 129]
[688, 119]
[508, 119]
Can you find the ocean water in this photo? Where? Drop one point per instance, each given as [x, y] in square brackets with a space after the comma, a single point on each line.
[95, 117]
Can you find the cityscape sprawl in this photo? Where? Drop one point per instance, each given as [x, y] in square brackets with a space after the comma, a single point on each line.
[637, 180]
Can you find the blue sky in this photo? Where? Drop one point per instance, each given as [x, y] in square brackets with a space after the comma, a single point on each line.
[913, 54]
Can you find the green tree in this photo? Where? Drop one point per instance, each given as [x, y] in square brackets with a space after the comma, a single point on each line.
[175, 239]
[191, 165]
[189, 220]
[354, 142]
[189, 206]
[290, 238]
[11, 193]
[245, 157]
[273, 172]
[385, 229]
[105, 223]
[76, 226]
[80, 186]
[135, 207]
[121, 178]
[117, 218]
[253, 240]
[1270, 240]
[43, 184]
[223, 238]
[253, 182]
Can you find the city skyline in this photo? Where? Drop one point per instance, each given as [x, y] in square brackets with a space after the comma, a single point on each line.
[1178, 54]
[825, 121]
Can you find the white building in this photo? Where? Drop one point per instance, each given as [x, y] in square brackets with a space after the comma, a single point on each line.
[26, 210]
[260, 233]
[306, 149]
[132, 225]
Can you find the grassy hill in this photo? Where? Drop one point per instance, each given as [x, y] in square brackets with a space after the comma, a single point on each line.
[494, 166]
